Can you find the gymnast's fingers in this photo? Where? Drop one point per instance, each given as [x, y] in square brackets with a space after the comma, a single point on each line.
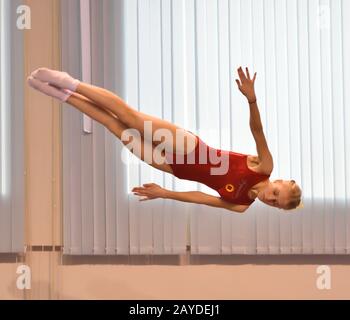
[241, 74]
[254, 77]
[147, 184]
[138, 188]
[248, 75]
[238, 84]
[139, 193]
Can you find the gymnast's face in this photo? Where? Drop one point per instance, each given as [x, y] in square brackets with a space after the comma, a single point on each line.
[276, 193]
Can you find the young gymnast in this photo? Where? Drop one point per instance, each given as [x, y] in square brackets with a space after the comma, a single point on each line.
[246, 176]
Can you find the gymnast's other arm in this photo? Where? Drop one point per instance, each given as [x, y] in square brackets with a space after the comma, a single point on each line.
[246, 86]
[152, 191]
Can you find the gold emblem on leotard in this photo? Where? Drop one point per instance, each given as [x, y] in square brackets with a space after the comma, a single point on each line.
[229, 187]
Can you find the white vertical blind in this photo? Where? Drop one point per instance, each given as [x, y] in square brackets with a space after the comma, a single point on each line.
[178, 60]
[95, 206]
[11, 131]
[299, 50]
[158, 226]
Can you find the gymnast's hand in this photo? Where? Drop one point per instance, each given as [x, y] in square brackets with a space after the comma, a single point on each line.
[246, 86]
[149, 191]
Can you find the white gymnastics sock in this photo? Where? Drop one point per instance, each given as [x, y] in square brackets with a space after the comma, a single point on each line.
[61, 94]
[57, 78]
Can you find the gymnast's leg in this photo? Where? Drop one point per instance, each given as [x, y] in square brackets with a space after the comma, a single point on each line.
[131, 117]
[115, 126]
[110, 121]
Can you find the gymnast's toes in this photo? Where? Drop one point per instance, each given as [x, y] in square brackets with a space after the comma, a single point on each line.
[32, 82]
[39, 73]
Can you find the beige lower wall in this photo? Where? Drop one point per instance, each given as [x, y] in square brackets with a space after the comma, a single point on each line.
[51, 280]
[200, 282]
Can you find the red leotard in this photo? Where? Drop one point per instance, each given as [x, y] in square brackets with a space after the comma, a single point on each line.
[233, 185]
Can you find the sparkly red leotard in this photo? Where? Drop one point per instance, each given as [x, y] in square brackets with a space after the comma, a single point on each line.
[232, 184]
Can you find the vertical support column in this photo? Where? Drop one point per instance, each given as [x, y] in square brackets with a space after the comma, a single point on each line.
[43, 153]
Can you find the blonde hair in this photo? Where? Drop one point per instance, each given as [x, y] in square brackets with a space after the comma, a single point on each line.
[295, 197]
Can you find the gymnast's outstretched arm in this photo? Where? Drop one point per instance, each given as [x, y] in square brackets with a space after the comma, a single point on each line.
[246, 86]
[153, 191]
